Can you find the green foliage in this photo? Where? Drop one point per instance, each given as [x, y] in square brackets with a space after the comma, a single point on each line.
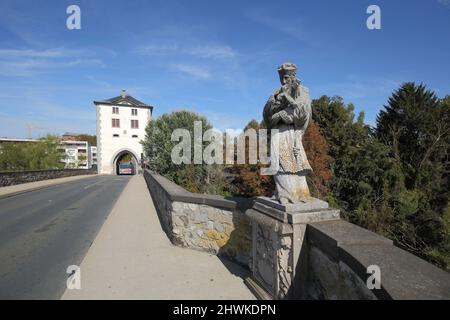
[394, 179]
[413, 124]
[353, 167]
[248, 181]
[158, 148]
[126, 158]
[42, 155]
[92, 139]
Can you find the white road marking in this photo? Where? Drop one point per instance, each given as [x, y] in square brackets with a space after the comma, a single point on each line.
[92, 184]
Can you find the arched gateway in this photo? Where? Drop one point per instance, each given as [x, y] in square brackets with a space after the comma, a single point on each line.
[121, 123]
[126, 156]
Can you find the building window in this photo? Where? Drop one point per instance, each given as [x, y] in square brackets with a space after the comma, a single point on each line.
[116, 123]
[134, 124]
[115, 110]
[134, 112]
[134, 136]
[115, 135]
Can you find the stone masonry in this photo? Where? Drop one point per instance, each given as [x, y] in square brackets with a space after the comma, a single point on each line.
[18, 177]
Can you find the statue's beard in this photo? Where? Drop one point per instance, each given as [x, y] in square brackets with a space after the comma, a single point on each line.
[290, 88]
[287, 86]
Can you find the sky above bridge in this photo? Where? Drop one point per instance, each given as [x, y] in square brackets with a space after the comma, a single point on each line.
[218, 58]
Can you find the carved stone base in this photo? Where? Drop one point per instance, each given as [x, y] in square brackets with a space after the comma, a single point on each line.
[279, 252]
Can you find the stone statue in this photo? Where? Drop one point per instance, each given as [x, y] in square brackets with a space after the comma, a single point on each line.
[279, 260]
[289, 111]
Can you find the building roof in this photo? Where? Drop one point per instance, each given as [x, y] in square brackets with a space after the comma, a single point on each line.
[124, 100]
[72, 134]
[18, 140]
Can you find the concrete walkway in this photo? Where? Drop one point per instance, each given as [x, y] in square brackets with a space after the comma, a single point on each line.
[132, 258]
[30, 186]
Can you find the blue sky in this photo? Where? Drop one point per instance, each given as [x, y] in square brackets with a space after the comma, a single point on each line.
[217, 58]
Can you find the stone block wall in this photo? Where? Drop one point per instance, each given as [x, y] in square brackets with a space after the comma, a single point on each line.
[339, 254]
[336, 253]
[331, 279]
[18, 177]
[202, 222]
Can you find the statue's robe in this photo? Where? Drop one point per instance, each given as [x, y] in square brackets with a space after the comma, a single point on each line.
[290, 178]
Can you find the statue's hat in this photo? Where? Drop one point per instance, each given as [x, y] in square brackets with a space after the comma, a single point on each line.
[287, 68]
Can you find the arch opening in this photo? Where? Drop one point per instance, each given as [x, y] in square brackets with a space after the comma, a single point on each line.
[125, 163]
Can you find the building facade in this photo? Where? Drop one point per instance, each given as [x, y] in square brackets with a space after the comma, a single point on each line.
[121, 123]
[74, 154]
[13, 140]
[77, 154]
[93, 155]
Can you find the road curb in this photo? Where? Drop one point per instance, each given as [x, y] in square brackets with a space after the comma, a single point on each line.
[15, 193]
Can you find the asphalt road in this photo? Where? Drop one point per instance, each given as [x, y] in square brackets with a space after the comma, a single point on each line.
[43, 232]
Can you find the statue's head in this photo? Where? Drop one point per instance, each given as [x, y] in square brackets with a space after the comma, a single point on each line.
[287, 73]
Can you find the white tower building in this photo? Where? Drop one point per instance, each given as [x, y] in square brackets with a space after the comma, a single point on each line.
[121, 123]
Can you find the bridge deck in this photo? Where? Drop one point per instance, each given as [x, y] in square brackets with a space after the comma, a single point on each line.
[132, 258]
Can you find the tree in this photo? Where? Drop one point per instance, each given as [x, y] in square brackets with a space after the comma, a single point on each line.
[158, 148]
[92, 139]
[41, 155]
[249, 182]
[81, 161]
[316, 148]
[393, 179]
[415, 126]
[345, 138]
[364, 176]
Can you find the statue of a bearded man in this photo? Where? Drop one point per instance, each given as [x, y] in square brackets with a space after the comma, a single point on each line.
[289, 111]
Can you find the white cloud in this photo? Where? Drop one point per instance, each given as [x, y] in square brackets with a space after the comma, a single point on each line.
[445, 3]
[212, 52]
[28, 67]
[279, 23]
[31, 53]
[353, 87]
[158, 50]
[193, 71]
[294, 28]
[25, 62]
[79, 62]
[47, 118]
[199, 51]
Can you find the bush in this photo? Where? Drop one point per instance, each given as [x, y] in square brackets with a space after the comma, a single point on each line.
[199, 178]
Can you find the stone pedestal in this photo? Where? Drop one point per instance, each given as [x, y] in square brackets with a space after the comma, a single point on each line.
[279, 250]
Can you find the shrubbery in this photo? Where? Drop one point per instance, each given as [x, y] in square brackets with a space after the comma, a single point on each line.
[41, 155]
[392, 179]
[158, 146]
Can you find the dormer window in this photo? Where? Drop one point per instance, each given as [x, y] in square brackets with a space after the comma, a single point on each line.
[115, 110]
